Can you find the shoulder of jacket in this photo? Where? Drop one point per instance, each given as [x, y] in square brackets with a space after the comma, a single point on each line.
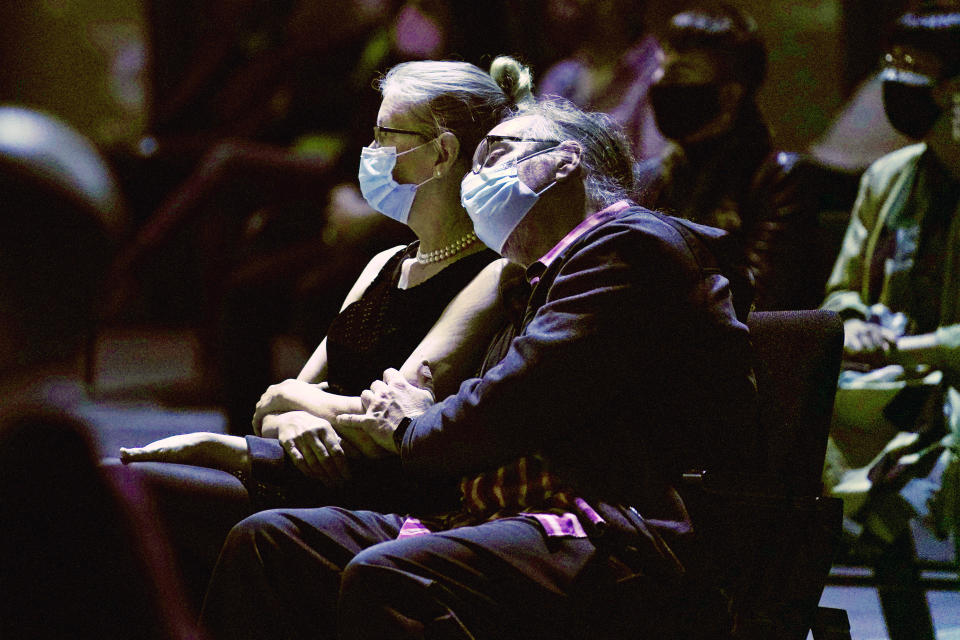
[895, 162]
[635, 232]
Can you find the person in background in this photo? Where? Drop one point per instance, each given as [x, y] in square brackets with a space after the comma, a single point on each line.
[569, 446]
[81, 554]
[896, 283]
[440, 298]
[721, 169]
[610, 67]
[265, 111]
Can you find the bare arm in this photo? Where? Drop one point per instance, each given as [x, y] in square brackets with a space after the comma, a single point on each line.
[449, 354]
[295, 399]
[296, 395]
[453, 347]
[939, 349]
[212, 450]
[308, 391]
[456, 343]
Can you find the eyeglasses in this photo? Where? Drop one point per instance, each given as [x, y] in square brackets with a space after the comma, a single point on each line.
[483, 155]
[378, 133]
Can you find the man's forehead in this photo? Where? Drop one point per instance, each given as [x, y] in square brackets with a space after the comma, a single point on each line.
[515, 126]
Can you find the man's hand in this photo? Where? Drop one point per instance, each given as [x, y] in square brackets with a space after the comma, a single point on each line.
[867, 342]
[289, 395]
[386, 403]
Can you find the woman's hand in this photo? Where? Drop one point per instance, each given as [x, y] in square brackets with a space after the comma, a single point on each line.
[213, 450]
[289, 395]
[312, 445]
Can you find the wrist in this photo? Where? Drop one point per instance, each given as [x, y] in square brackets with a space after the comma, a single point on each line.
[948, 337]
[400, 431]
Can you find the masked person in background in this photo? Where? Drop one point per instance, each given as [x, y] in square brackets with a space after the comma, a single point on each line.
[896, 283]
[438, 298]
[721, 169]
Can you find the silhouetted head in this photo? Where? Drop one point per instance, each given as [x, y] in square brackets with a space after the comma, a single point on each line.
[714, 63]
[920, 67]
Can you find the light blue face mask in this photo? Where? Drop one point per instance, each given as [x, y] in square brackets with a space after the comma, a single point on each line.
[378, 187]
[496, 201]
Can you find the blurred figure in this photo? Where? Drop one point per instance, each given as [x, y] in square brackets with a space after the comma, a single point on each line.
[271, 215]
[81, 555]
[611, 65]
[720, 169]
[897, 284]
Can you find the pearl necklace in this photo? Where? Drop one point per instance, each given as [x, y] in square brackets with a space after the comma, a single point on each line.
[448, 251]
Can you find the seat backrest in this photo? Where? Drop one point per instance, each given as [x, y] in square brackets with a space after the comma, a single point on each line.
[770, 534]
[62, 219]
[796, 361]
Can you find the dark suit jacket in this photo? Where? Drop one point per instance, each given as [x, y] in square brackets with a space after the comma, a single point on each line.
[631, 367]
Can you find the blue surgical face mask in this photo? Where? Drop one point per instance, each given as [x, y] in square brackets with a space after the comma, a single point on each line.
[496, 201]
[908, 102]
[378, 187]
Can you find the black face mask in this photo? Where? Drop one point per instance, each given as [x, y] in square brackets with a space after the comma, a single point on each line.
[910, 108]
[682, 109]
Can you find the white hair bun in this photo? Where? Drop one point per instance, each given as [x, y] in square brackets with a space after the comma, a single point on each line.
[514, 78]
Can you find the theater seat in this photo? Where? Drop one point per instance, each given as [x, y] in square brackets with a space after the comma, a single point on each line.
[773, 531]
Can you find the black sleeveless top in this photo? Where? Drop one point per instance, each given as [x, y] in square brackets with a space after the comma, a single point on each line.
[382, 328]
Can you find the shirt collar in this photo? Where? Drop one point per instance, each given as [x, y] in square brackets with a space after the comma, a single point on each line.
[535, 270]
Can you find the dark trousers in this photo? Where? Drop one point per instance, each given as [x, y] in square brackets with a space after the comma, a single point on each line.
[326, 573]
[197, 506]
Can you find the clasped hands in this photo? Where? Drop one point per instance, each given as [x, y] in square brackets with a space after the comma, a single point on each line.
[288, 412]
[385, 404]
[867, 343]
[296, 413]
[875, 346]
